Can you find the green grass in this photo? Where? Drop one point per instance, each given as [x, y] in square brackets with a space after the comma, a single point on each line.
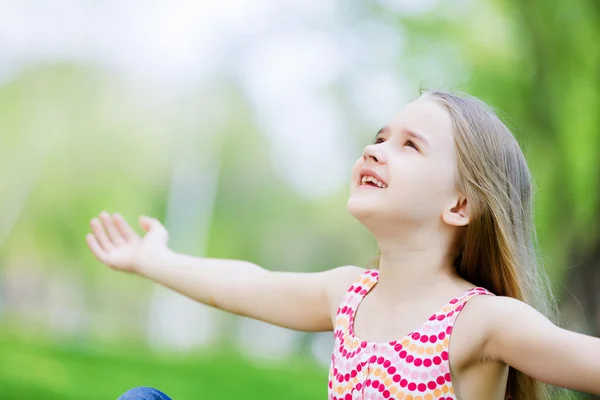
[40, 368]
[37, 368]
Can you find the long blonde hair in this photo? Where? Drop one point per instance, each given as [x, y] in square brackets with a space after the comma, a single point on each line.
[497, 249]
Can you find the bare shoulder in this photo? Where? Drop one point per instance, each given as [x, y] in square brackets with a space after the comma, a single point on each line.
[482, 313]
[483, 317]
[338, 281]
[493, 310]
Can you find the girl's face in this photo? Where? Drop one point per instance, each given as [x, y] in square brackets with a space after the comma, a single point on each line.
[413, 162]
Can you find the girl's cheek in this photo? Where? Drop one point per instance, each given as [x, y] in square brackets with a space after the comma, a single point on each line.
[356, 167]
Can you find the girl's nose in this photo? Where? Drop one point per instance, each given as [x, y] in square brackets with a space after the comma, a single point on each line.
[374, 153]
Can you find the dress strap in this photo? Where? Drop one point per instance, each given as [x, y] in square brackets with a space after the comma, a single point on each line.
[361, 286]
[455, 306]
[359, 289]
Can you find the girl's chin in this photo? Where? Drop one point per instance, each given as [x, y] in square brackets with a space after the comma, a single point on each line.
[360, 204]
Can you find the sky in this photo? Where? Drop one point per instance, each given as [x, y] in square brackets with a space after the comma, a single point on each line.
[285, 54]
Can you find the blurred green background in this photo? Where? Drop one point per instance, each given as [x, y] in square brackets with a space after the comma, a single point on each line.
[236, 123]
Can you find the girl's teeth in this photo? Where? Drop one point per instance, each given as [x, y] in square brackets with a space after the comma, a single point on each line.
[366, 179]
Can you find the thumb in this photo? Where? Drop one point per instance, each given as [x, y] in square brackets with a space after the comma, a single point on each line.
[145, 223]
[154, 227]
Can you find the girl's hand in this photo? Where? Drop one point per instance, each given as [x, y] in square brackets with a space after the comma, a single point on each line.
[117, 245]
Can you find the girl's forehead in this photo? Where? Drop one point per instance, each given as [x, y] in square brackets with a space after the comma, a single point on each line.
[427, 117]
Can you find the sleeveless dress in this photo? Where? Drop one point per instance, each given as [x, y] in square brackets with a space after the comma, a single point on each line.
[414, 367]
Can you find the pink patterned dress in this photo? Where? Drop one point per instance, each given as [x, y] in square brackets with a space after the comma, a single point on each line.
[414, 367]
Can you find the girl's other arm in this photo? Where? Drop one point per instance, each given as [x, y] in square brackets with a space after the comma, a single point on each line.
[301, 301]
[523, 338]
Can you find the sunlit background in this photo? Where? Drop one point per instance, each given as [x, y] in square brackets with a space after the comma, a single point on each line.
[236, 123]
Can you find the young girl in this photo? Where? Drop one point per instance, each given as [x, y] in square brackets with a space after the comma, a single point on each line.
[446, 192]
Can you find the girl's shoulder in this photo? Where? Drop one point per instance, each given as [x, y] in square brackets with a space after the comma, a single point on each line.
[504, 329]
[492, 308]
[497, 312]
[486, 316]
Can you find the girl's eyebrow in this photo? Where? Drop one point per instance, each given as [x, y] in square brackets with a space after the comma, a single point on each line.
[406, 131]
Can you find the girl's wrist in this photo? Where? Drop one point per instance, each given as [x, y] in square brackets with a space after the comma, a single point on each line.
[151, 264]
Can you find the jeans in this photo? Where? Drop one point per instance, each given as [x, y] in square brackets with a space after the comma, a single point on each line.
[144, 393]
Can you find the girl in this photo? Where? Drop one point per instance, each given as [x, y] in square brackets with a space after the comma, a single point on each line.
[446, 192]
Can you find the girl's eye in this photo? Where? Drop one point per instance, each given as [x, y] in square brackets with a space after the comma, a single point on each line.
[411, 144]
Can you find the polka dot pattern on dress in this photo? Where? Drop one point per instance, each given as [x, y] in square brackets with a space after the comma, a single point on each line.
[414, 367]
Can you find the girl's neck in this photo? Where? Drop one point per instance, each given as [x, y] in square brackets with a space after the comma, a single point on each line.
[406, 269]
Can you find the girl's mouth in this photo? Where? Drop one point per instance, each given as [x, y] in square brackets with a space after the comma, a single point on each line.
[369, 181]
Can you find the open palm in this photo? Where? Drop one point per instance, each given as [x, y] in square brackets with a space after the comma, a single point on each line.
[117, 245]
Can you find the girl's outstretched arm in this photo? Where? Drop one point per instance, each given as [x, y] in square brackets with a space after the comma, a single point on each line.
[301, 301]
[521, 337]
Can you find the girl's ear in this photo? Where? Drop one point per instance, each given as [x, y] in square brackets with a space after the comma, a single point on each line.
[457, 214]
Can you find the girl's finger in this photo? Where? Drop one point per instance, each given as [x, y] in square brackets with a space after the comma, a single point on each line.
[123, 227]
[145, 222]
[154, 228]
[95, 247]
[111, 230]
[100, 235]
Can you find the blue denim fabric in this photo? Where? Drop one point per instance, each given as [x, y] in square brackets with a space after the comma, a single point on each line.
[144, 393]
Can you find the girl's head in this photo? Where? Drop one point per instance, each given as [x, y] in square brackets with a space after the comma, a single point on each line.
[415, 160]
[448, 168]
